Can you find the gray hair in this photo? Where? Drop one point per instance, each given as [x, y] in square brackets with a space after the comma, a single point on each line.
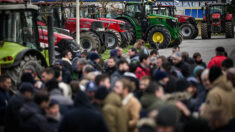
[205, 72]
[82, 61]
[88, 68]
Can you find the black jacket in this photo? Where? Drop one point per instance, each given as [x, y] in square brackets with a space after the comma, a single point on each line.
[184, 68]
[32, 118]
[83, 117]
[4, 97]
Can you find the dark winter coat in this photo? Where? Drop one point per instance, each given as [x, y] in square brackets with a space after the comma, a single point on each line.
[184, 68]
[201, 63]
[53, 123]
[83, 117]
[108, 70]
[4, 98]
[32, 119]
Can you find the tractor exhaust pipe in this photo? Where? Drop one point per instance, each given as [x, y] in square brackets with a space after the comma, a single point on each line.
[50, 39]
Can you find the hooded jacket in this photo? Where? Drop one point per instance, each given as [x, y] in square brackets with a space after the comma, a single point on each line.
[220, 96]
[83, 117]
[150, 102]
[115, 114]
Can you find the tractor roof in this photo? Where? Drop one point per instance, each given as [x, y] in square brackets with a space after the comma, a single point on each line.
[218, 4]
[18, 7]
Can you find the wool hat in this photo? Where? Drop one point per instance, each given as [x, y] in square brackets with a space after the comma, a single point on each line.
[26, 86]
[93, 56]
[101, 93]
[113, 52]
[196, 69]
[90, 86]
[27, 77]
[52, 84]
[182, 85]
[220, 49]
[227, 63]
[167, 116]
[53, 102]
[159, 75]
[214, 73]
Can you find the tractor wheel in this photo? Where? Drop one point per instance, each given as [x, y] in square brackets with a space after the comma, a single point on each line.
[204, 31]
[112, 38]
[229, 33]
[177, 41]
[159, 37]
[131, 30]
[16, 72]
[195, 33]
[187, 30]
[89, 40]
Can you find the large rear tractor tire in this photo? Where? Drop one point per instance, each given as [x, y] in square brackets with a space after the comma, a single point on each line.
[131, 30]
[89, 40]
[177, 41]
[204, 31]
[229, 30]
[16, 72]
[188, 31]
[195, 33]
[112, 38]
[159, 37]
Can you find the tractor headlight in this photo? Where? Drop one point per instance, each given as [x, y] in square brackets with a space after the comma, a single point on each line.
[174, 20]
[100, 29]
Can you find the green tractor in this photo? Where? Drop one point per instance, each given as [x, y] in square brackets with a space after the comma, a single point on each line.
[19, 41]
[160, 31]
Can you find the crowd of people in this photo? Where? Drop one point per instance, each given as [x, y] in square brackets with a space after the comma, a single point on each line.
[144, 92]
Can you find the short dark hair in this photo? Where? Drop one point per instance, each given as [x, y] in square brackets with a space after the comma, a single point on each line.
[49, 70]
[154, 51]
[3, 78]
[143, 57]
[41, 96]
[227, 63]
[112, 57]
[167, 66]
[132, 67]
[196, 54]
[220, 51]
[100, 78]
[121, 61]
[153, 86]
[65, 52]
[94, 49]
[176, 46]
[133, 49]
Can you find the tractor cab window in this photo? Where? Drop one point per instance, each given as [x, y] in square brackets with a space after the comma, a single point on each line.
[217, 9]
[161, 11]
[148, 9]
[133, 9]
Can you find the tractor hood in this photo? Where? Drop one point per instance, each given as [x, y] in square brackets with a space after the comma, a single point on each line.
[182, 17]
[111, 20]
[162, 16]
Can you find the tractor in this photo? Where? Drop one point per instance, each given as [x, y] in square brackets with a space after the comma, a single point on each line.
[92, 31]
[160, 31]
[19, 40]
[217, 19]
[116, 34]
[188, 25]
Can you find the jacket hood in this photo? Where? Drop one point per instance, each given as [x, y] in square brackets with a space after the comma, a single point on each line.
[81, 100]
[148, 99]
[223, 83]
[113, 99]
[178, 96]
[29, 109]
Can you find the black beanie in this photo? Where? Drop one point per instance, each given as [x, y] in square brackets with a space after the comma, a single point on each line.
[52, 84]
[27, 77]
[181, 85]
[26, 86]
[167, 116]
[101, 93]
[220, 49]
[227, 63]
[214, 73]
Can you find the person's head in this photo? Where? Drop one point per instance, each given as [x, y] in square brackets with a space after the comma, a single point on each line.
[94, 50]
[53, 108]
[81, 63]
[215, 73]
[87, 69]
[84, 54]
[133, 67]
[67, 54]
[176, 57]
[123, 65]
[103, 80]
[27, 77]
[119, 51]
[5, 82]
[231, 75]
[161, 77]
[31, 70]
[27, 90]
[219, 51]
[154, 53]
[160, 60]
[205, 79]
[144, 83]
[197, 57]
[111, 62]
[226, 64]
[185, 55]
[167, 118]
[58, 74]
[139, 43]
[42, 98]
[123, 87]
[95, 57]
[156, 89]
[52, 84]
[176, 48]
[166, 67]
[90, 90]
[144, 59]
[101, 94]
[74, 87]
[47, 74]
[193, 84]
[132, 51]
[113, 52]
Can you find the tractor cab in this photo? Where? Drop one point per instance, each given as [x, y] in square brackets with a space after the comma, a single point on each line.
[167, 10]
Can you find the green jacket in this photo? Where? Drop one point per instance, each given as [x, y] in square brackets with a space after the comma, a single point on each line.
[150, 102]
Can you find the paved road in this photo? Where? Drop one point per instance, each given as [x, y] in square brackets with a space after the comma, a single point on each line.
[205, 47]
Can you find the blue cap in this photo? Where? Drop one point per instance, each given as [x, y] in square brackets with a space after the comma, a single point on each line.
[91, 86]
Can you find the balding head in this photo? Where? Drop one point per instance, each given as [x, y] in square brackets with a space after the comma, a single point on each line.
[231, 75]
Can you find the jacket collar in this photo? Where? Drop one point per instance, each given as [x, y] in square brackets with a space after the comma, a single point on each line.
[127, 98]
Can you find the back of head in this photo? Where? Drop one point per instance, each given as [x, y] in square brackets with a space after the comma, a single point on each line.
[220, 50]
[143, 57]
[88, 68]
[26, 87]
[128, 84]
[152, 87]
[101, 93]
[227, 63]
[52, 84]
[41, 96]
[27, 77]
[214, 73]
[132, 67]
[81, 100]
[122, 61]
[181, 85]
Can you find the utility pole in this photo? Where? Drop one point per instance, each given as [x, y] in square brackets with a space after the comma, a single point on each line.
[78, 22]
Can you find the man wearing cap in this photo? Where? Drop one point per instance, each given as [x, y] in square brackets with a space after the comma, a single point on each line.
[218, 59]
[94, 60]
[183, 67]
[90, 91]
[134, 58]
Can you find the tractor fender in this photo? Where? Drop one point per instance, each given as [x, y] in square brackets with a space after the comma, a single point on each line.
[149, 28]
[229, 17]
[24, 52]
[129, 19]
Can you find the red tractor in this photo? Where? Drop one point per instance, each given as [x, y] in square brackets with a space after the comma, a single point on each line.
[217, 19]
[188, 25]
[116, 33]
